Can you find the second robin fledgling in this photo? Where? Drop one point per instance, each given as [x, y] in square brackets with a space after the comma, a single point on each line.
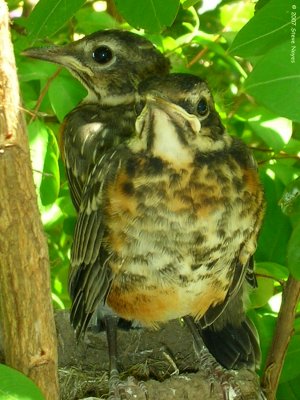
[109, 64]
[169, 220]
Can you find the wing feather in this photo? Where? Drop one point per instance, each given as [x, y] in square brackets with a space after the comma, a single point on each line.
[90, 274]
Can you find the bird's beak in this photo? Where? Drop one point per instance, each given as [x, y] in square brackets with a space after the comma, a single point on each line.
[176, 113]
[62, 55]
[54, 54]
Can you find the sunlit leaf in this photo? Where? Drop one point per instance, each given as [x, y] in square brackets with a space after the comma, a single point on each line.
[52, 216]
[44, 156]
[57, 301]
[189, 3]
[235, 15]
[270, 25]
[50, 184]
[272, 269]
[273, 130]
[38, 141]
[16, 386]
[275, 81]
[260, 296]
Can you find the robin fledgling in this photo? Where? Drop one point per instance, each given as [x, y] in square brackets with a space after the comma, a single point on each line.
[168, 222]
[109, 64]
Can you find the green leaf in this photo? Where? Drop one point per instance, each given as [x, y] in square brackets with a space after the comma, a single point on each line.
[260, 296]
[29, 70]
[285, 170]
[151, 15]
[275, 81]
[292, 146]
[50, 184]
[273, 130]
[16, 386]
[271, 24]
[272, 269]
[235, 15]
[38, 141]
[276, 229]
[188, 3]
[289, 390]
[293, 252]
[290, 200]
[96, 21]
[48, 16]
[44, 156]
[51, 216]
[65, 93]
[265, 324]
[291, 364]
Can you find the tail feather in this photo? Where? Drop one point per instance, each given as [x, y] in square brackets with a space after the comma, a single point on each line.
[234, 346]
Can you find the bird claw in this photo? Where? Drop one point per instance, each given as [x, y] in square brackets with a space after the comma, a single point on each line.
[126, 390]
[216, 374]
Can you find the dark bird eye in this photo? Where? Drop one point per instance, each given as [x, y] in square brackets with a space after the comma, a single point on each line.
[202, 107]
[102, 55]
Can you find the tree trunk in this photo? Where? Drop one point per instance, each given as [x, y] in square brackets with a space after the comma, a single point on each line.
[28, 329]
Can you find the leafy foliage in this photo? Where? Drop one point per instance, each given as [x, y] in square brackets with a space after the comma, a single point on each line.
[247, 55]
[16, 386]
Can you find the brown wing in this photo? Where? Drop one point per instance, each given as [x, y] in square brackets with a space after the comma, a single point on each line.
[90, 274]
[242, 267]
[87, 133]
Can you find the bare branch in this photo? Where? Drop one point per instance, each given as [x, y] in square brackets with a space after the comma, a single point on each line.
[282, 336]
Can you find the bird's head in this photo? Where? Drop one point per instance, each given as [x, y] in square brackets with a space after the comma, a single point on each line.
[177, 118]
[109, 63]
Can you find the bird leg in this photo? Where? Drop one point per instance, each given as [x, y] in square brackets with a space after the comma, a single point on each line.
[118, 390]
[213, 370]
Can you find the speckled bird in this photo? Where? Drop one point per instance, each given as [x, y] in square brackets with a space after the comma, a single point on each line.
[169, 220]
[109, 64]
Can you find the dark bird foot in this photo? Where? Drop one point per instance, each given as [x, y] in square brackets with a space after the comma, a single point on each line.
[118, 389]
[215, 373]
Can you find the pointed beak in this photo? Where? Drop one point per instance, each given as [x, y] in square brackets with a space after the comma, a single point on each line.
[54, 54]
[62, 55]
[176, 113]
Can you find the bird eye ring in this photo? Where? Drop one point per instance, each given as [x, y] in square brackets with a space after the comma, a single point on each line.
[102, 55]
[202, 107]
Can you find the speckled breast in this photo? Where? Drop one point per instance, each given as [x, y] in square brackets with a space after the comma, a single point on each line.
[177, 233]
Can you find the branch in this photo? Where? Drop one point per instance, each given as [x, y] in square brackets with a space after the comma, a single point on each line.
[28, 330]
[282, 336]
